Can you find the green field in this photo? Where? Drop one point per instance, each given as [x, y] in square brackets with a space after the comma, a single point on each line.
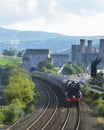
[12, 61]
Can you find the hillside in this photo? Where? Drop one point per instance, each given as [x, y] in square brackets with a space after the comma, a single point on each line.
[58, 43]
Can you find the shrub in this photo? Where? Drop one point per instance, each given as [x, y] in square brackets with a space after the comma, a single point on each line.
[85, 90]
[12, 113]
[99, 107]
[96, 96]
[102, 95]
[2, 117]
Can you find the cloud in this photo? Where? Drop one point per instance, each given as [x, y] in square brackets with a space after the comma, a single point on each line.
[11, 11]
[64, 16]
[80, 6]
[22, 10]
[17, 10]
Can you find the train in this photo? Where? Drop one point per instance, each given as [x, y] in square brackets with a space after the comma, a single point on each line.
[72, 92]
[70, 89]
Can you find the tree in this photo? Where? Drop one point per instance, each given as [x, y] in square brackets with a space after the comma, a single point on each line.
[66, 70]
[11, 70]
[69, 70]
[47, 64]
[72, 69]
[18, 94]
[19, 87]
[6, 72]
[9, 52]
[78, 68]
[20, 53]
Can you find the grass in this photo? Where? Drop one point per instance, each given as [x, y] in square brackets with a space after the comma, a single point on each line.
[101, 120]
[10, 61]
[88, 100]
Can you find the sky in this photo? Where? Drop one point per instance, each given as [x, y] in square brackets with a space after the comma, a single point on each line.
[69, 17]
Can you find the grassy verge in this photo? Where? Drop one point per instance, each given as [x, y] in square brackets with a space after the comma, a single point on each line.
[10, 61]
[101, 120]
[96, 107]
[96, 102]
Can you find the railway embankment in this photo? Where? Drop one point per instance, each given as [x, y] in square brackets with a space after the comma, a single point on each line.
[95, 100]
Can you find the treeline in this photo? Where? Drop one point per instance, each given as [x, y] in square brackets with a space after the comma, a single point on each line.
[18, 94]
[73, 69]
[12, 52]
[48, 67]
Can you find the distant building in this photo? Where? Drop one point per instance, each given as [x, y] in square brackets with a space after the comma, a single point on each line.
[84, 55]
[32, 57]
[60, 59]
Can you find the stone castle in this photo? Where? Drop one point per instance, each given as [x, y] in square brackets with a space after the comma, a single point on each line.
[84, 55]
[32, 57]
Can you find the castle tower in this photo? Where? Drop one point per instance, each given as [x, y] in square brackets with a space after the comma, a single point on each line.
[101, 42]
[90, 48]
[82, 45]
[73, 55]
[101, 48]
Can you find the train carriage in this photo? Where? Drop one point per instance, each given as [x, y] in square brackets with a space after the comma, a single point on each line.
[71, 89]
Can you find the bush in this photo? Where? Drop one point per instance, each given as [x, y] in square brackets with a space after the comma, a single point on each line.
[100, 107]
[73, 69]
[2, 117]
[47, 64]
[102, 95]
[12, 113]
[85, 90]
[19, 87]
[88, 100]
[97, 96]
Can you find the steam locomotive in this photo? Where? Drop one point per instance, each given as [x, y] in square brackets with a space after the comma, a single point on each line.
[72, 92]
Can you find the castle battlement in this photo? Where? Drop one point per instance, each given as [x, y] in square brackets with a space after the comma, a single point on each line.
[84, 54]
[32, 57]
[36, 51]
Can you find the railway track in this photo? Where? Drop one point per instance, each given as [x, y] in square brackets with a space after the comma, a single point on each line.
[74, 119]
[53, 116]
[66, 118]
[45, 118]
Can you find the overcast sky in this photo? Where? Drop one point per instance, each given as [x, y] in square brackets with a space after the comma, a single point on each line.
[70, 17]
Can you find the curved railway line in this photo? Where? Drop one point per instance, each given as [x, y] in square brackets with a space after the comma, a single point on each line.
[54, 115]
[45, 118]
[72, 123]
[24, 123]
